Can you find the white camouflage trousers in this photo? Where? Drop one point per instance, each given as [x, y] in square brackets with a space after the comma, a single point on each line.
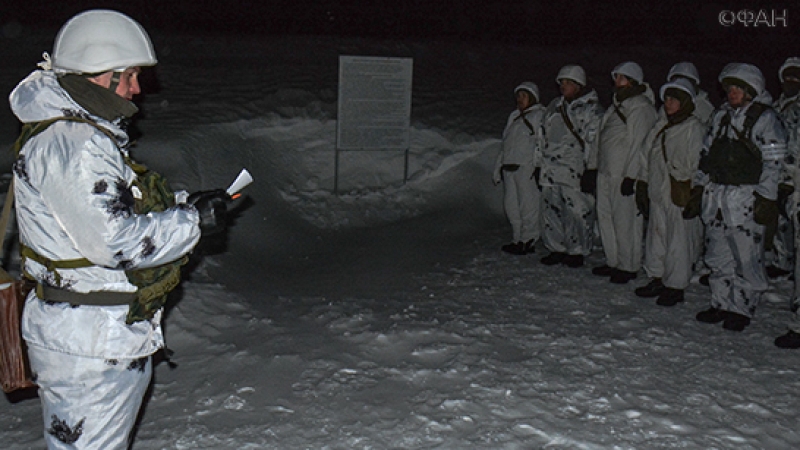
[735, 255]
[672, 245]
[522, 202]
[621, 226]
[88, 403]
[793, 207]
[568, 220]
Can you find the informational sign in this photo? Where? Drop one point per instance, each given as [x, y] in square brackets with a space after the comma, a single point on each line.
[374, 103]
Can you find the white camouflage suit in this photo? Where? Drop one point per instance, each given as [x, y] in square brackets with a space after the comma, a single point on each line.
[789, 110]
[522, 146]
[734, 241]
[569, 213]
[73, 201]
[672, 244]
[783, 252]
[620, 156]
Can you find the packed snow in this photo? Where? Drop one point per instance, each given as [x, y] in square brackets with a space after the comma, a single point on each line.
[385, 316]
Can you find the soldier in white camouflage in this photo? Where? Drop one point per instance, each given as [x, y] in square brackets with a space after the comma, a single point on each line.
[736, 191]
[788, 106]
[571, 124]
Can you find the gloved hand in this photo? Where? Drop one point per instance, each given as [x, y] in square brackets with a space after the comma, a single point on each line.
[536, 175]
[589, 182]
[765, 211]
[212, 206]
[626, 188]
[695, 205]
[785, 191]
[642, 199]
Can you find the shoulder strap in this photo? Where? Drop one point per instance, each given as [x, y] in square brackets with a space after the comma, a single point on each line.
[6, 211]
[751, 116]
[527, 122]
[620, 114]
[31, 129]
[568, 122]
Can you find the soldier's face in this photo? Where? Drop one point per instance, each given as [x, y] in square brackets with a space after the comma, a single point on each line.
[671, 105]
[524, 100]
[569, 89]
[621, 81]
[128, 85]
[736, 95]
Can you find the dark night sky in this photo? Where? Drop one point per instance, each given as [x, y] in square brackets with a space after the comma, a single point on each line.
[682, 24]
[511, 20]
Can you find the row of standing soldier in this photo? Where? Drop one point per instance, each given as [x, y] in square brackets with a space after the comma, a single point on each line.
[701, 188]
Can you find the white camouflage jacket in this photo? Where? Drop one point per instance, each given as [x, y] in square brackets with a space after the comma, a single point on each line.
[769, 135]
[564, 157]
[621, 141]
[73, 201]
[674, 151]
[788, 109]
[522, 144]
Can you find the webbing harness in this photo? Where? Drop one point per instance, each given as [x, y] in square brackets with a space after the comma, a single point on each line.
[735, 161]
[568, 122]
[153, 283]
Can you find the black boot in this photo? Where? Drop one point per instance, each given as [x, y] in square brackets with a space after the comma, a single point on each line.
[789, 340]
[736, 322]
[573, 261]
[711, 315]
[515, 248]
[622, 276]
[553, 258]
[653, 289]
[670, 297]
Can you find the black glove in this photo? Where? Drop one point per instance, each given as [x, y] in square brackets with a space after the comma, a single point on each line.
[765, 211]
[212, 206]
[784, 192]
[589, 182]
[695, 205]
[642, 200]
[536, 175]
[626, 188]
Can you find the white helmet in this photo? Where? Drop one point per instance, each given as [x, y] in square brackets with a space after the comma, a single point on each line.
[680, 83]
[572, 72]
[530, 87]
[631, 70]
[748, 73]
[100, 40]
[790, 62]
[684, 69]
